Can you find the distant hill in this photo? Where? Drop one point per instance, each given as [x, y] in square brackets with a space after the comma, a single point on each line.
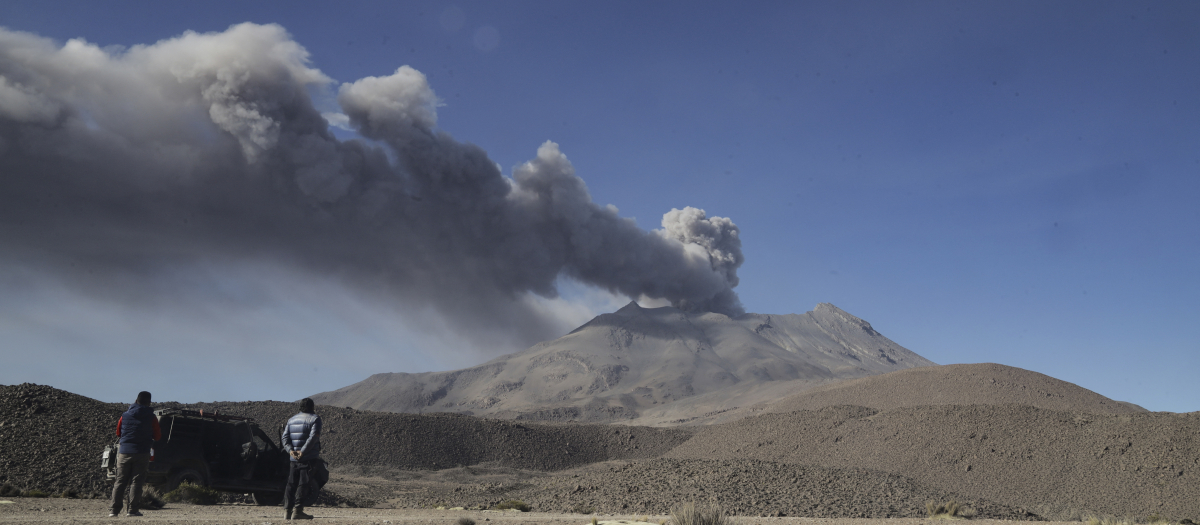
[639, 360]
[966, 384]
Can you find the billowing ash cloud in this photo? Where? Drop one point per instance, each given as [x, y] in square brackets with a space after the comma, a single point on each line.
[119, 169]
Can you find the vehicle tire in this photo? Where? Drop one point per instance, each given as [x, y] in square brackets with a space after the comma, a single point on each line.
[189, 475]
[268, 499]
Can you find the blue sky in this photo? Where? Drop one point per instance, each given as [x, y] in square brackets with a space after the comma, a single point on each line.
[1010, 182]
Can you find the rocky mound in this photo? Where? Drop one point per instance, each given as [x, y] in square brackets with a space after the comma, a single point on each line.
[637, 360]
[965, 384]
[1059, 464]
[52, 440]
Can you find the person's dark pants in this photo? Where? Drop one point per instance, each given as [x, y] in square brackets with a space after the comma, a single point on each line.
[131, 468]
[299, 486]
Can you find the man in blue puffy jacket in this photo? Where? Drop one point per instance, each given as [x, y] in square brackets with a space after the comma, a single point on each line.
[138, 430]
[302, 439]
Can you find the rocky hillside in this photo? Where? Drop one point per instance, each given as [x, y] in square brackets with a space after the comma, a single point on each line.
[638, 360]
[1052, 461]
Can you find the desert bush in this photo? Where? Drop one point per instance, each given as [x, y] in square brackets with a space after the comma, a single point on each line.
[583, 509]
[465, 521]
[1155, 518]
[35, 493]
[194, 494]
[1094, 520]
[152, 498]
[691, 514]
[69, 493]
[10, 491]
[949, 510]
[514, 504]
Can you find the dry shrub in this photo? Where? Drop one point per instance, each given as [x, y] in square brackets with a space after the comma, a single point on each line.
[514, 504]
[691, 514]
[950, 510]
[465, 521]
[152, 498]
[194, 494]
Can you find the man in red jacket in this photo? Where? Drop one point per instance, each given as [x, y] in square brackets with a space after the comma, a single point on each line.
[138, 430]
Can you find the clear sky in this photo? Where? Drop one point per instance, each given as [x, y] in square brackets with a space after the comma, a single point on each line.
[1009, 182]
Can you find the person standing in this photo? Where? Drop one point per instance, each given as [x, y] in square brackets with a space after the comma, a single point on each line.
[138, 430]
[302, 440]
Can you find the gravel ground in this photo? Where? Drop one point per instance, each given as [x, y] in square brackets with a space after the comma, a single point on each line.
[744, 488]
[34, 510]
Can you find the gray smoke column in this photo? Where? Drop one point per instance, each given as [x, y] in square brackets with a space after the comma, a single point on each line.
[120, 168]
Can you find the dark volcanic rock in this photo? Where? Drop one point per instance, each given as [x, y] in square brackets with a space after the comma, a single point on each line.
[51, 440]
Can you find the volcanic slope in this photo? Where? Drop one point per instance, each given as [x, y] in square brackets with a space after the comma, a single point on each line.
[963, 384]
[639, 360]
[1060, 464]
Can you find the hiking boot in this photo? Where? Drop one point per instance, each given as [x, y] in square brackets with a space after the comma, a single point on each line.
[133, 513]
[288, 516]
[299, 514]
[112, 514]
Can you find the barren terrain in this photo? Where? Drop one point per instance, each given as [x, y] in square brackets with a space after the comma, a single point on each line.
[35, 510]
[846, 452]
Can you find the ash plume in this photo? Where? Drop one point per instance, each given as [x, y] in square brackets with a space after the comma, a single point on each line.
[121, 169]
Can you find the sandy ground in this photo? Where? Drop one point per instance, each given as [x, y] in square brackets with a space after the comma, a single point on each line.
[52, 510]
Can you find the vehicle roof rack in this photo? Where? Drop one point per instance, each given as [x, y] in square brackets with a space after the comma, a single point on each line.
[199, 413]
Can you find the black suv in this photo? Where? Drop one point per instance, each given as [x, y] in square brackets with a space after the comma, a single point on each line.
[227, 453]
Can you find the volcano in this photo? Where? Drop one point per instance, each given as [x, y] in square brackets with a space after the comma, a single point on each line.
[649, 365]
